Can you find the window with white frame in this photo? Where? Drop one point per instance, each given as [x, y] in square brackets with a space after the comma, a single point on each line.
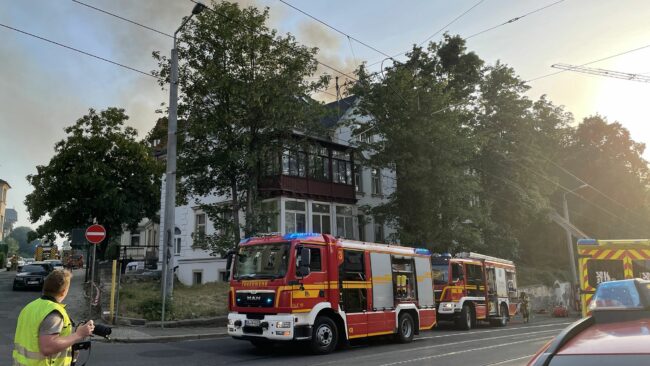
[197, 277]
[362, 227]
[341, 167]
[272, 214]
[364, 137]
[358, 178]
[344, 222]
[375, 178]
[321, 219]
[199, 224]
[135, 240]
[177, 246]
[295, 217]
[379, 230]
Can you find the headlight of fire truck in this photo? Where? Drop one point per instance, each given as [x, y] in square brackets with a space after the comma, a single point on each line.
[283, 325]
[447, 306]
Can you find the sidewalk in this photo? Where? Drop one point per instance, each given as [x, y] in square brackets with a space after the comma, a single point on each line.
[125, 334]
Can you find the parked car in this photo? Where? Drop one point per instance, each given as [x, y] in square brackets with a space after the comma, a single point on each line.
[19, 263]
[133, 267]
[56, 263]
[32, 275]
[29, 260]
[616, 332]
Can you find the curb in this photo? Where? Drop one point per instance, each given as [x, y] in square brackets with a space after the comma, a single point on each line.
[169, 338]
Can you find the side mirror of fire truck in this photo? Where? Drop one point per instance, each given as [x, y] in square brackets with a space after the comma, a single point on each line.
[229, 256]
[305, 261]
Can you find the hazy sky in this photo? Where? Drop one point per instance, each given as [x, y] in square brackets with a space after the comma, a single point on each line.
[44, 87]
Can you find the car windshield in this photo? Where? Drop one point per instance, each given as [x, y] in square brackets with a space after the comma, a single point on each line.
[262, 261]
[440, 274]
[33, 268]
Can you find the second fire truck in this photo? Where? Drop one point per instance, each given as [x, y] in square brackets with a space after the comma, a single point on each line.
[471, 287]
[324, 290]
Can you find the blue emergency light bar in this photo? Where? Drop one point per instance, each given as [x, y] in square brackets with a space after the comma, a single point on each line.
[587, 242]
[422, 251]
[292, 236]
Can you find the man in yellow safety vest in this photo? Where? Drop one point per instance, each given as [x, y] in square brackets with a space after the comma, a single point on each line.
[44, 335]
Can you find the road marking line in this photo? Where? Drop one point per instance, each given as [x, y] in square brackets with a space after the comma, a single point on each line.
[494, 330]
[510, 360]
[437, 345]
[463, 351]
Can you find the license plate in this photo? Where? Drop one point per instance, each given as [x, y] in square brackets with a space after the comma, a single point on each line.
[252, 322]
[32, 282]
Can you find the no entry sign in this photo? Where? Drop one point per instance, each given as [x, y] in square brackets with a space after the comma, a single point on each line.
[95, 234]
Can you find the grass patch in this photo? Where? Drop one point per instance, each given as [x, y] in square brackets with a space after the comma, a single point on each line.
[142, 300]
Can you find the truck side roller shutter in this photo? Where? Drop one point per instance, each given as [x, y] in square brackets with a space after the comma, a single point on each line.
[382, 281]
[425, 284]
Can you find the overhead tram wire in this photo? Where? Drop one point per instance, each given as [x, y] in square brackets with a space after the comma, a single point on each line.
[349, 38]
[514, 19]
[596, 189]
[591, 62]
[124, 19]
[334, 28]
[151, 29]
[437, 32]
[568, 190]
[557, 72]
[517, 18]
[273, 40]
[80, 51]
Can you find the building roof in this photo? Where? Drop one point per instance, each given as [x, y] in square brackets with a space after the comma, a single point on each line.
[5, 182]
[336, 109]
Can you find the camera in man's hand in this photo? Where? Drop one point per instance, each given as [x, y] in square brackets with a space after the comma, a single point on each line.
[99, 330]
[102, 331]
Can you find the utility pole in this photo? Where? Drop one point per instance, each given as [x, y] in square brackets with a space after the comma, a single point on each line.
[170, 175]
[569, 240]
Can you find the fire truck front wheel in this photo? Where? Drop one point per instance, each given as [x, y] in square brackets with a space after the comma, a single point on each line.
[405, 328]
[324, 335]
[465, 319]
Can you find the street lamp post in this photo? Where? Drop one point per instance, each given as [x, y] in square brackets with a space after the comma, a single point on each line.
[569, 239]
[170, 175]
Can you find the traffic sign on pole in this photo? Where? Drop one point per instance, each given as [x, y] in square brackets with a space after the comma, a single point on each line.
[95, 234]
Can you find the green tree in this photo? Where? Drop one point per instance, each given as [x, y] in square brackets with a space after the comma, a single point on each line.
[518, 139]
[429, 145]
[243, 91]
[604, 155]
[99, 173]
[12, 246]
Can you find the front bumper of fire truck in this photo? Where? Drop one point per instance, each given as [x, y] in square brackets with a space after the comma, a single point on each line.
[279, 327]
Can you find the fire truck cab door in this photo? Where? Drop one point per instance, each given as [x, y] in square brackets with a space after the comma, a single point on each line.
[353, 289]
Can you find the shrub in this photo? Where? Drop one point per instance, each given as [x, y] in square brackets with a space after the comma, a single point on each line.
[152, 309]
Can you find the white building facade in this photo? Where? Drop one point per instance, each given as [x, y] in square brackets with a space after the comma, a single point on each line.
[304, 196]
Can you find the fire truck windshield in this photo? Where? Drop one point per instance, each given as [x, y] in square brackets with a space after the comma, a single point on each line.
[440, 274]
[262, 261]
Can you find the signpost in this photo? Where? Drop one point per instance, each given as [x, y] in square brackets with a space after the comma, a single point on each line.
[95, 234]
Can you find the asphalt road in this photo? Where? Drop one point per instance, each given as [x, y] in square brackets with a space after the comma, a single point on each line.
[512, 345]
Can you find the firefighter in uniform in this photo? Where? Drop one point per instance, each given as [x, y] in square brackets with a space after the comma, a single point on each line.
[44, 335]
[14, 263]
[525, 306]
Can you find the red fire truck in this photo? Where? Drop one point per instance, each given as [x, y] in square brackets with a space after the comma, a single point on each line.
[472, 287]
[316, 288]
